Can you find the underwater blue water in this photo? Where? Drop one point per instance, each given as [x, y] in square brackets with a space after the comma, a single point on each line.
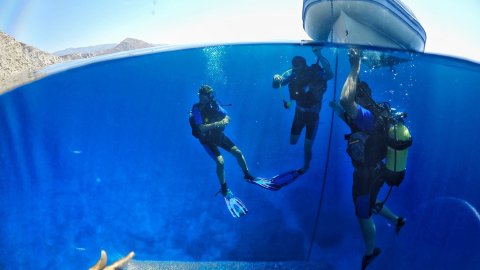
[102, 157]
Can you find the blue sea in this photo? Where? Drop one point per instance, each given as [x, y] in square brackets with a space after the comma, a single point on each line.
[100, 155]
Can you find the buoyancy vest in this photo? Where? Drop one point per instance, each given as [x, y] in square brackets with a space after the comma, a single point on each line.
[307, 88]
[389, 140]
[209, 113]
[366, 149]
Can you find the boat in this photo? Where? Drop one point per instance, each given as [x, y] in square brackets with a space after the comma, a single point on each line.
[379, 23]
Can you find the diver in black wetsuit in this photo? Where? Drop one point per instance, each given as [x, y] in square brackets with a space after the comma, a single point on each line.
[306, 85]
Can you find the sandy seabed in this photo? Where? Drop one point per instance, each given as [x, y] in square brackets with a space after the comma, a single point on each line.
[225, 265]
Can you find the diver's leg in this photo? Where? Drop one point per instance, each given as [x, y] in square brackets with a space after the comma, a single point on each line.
[307, 155]
[363, 212]
[362, 199]
[214, 153]
[228, 145]
[395, 220]
[220, 170]
[294, 138]
[235, 151]
[367, 227]
[297, 126]
[311, 123]
[388, 214]
[382, 209]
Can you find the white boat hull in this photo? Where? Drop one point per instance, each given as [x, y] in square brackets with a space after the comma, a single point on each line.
[363, 22]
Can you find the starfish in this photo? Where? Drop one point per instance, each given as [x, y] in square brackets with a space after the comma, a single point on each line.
[102, 262]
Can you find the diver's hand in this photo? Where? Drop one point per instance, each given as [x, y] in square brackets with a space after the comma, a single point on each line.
[277, 81]
[317, 51]
[219, 124]
[287, 104]
[354, 57]
[224, 122]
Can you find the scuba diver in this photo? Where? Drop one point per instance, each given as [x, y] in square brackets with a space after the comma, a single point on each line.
[306, 86]
[208, 121]
[367, 147]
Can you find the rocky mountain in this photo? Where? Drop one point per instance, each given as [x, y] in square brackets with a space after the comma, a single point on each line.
[87, 52]
[18, 59]
[127, 45]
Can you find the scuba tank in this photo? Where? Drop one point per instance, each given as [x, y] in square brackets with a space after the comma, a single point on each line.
[398, 142]
[398, 139]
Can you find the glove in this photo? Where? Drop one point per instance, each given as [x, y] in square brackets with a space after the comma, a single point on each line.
[287, 104]
[235, 205]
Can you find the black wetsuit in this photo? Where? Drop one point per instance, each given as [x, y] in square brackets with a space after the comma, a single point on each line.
[307, 89]
[368, 175]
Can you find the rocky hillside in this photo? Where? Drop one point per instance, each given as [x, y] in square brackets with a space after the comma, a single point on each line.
[19, 61]
[126, 45]
[88, 49]
[17, 58]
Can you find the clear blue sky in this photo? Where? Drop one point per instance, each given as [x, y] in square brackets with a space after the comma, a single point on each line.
[452, 26]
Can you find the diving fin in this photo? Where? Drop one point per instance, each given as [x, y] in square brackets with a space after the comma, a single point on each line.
[235, 205]
[264, 183]
[285, 178]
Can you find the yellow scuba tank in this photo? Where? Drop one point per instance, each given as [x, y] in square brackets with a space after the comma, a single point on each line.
[398, 142]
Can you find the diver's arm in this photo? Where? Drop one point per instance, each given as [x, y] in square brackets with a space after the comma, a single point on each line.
[326, 68]
[347, 97]
[337, 109]
[282, 80]
[219, 124]
[323, 62]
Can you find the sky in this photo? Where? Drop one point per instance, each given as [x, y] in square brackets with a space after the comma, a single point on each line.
[52, 25]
